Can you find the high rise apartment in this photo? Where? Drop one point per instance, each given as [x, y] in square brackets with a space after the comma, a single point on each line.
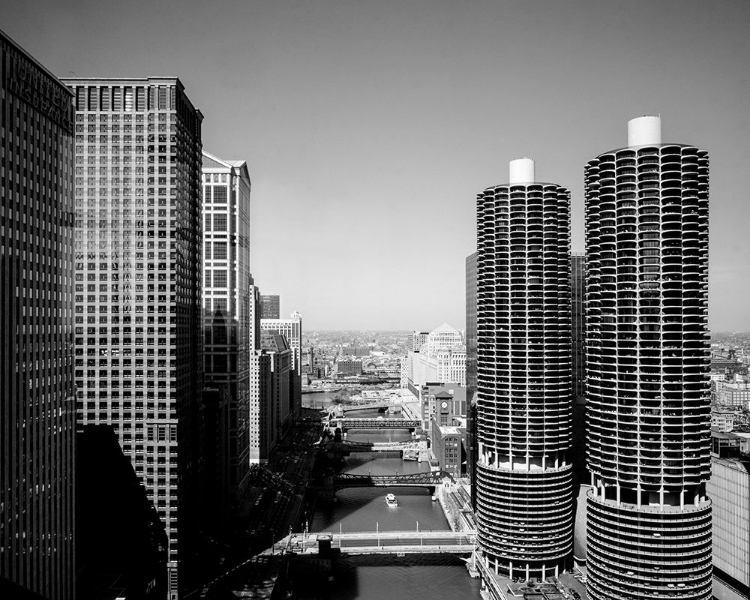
[137, 286]
[524, 473]
[270, 307]
[226, 308]
[647, 396]
[37, 393]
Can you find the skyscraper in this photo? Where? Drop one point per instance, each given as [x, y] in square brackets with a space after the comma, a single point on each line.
[524, 473]
[291, 329]
[471, 371]
[270, 307]
[37, 393]
[227, 312]
[647, 396]
[578, 324]
[137, 286]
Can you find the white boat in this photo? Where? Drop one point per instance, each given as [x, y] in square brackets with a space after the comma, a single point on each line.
[390, 500]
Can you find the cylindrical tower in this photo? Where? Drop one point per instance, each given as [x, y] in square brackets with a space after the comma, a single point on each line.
[524, 377]
[647, 395]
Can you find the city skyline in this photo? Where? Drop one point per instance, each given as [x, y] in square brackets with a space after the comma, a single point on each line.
[349, 116]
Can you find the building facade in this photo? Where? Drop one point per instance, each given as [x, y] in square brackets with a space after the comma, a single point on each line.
[647, 395]
[37, 385]
[735, 394]
[291, 329]
[524, 474]
[729, 490]
[138, 324]
[281, 365]
[578, 324]
[227, 313]
[471, 370]
[270, 307]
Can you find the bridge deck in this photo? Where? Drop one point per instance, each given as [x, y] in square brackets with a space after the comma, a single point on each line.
[389, 542]
[430, 479]
[377, 423]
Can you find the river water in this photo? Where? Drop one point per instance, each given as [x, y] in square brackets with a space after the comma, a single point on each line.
[364, 509]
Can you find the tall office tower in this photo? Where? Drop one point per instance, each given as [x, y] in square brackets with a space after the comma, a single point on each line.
[226, 309]
[37, 393]
[138, 245]
[270, 307]
[291, 329]
[281, 363]
[524, 473]
[647, 394]
[578, 322]
[471, 371]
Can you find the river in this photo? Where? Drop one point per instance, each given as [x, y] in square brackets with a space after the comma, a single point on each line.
[364, 509]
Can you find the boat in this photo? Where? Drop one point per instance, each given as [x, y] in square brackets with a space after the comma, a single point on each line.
[410, 454]
[390, 500]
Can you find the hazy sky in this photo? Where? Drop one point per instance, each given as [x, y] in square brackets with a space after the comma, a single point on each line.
[370, 126]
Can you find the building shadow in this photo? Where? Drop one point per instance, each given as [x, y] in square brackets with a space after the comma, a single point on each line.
[121, 544]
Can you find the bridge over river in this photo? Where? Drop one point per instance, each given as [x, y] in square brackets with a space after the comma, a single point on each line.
[347, 423]
[383, 542]
[346, 480]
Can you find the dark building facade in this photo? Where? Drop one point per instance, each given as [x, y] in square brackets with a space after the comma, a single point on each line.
[471, 371]
[648, 388]
[138, 327]
[524, 372]
[270, 306]
[578, 324]
[37, 384]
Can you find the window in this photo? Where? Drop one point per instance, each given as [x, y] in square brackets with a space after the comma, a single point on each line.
[220, 222]
[220, 251]
[220, 194]
[220, 278]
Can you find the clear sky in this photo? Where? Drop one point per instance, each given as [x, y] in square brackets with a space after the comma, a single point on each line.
[369, 126]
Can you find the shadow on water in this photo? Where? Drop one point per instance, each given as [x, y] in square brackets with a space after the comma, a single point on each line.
[434, 577]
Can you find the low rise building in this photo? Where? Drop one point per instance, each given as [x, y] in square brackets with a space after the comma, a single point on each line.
[448, 447]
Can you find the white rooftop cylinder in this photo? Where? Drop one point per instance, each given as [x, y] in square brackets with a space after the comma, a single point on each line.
[644, 131]
[521, 171]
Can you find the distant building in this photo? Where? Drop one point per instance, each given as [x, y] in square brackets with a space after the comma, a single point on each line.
[263, 432]
[442, 358]
[270, 307]
[418, 339]
[444, 401]
[283, 377]
[349, 366]
[722, 420]
[37, 406]
[735, 394]
[729, 490]
[291, 329]
[354, 351]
